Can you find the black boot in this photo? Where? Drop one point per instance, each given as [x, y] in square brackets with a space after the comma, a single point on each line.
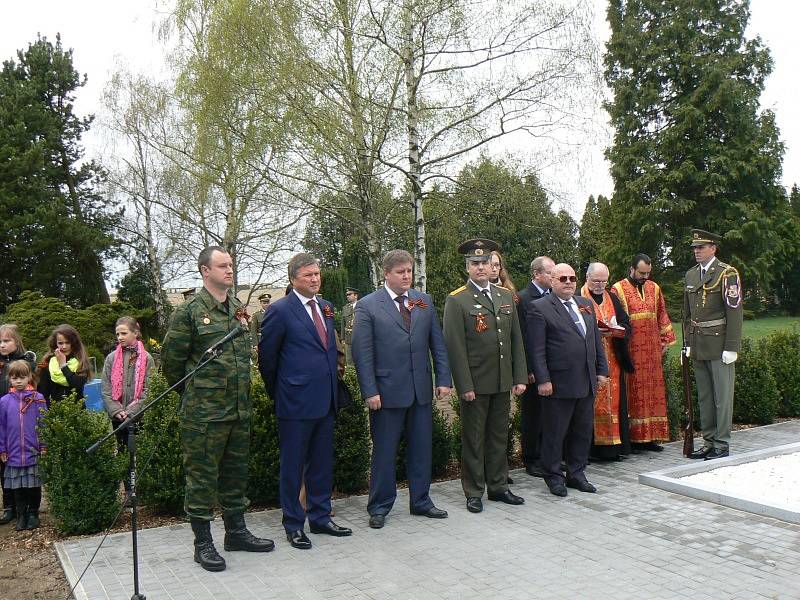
[9, 513]
[21, 503]
[238, 537]
[34, 496]
[204, 551]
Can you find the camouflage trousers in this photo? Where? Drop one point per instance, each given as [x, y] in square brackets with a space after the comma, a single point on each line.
[216, 457]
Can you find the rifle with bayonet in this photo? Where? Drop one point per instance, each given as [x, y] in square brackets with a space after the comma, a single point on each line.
[688, 430]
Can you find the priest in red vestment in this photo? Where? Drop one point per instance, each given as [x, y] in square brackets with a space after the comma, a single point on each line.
[611, 440]
[652, 334]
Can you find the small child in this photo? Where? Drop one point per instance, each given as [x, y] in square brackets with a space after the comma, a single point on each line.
[125, 375]
[21, 412]
[65, 367]
[11, 349]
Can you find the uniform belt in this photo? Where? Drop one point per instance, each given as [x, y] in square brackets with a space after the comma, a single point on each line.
[713, 323]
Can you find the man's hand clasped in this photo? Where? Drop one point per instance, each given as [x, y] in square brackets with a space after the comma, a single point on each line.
[374, 402]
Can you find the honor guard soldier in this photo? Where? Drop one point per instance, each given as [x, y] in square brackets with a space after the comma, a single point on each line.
[255, 323]
[712, 313]
[348, 318]
[487, 360]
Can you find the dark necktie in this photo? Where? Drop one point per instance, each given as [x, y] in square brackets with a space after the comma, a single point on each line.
[576, 320]
[404, 312]
[702, 272]
[320, 326]
[488, 296]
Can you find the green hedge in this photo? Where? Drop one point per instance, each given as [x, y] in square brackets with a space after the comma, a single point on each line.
[262, 486]
[756, 394]
[782, 352]
[161, 481]
[351, 444]
[83, 490]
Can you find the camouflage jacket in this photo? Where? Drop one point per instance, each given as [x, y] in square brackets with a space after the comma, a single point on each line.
[220, 391]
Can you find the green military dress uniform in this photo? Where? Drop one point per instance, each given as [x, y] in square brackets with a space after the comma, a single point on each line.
[712, 309]
[348, 318]
[487, 356]
[255, 327]
[216, 408]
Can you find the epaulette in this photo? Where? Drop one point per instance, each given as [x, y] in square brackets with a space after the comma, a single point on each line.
[458, 291]
[501, 287]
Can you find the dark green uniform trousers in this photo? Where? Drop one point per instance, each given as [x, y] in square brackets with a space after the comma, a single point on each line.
[715, 382]
[215, 459]
[484, 440]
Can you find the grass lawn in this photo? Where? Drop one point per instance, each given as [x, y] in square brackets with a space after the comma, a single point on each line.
[755, 329]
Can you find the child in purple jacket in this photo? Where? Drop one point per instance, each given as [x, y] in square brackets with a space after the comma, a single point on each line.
[21, 412]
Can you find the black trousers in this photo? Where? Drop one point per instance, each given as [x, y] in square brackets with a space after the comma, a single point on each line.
[567, 429]
[530, 436]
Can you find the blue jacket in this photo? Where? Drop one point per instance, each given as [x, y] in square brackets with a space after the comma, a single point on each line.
[395, 362]
[18, 435]
[299, 373]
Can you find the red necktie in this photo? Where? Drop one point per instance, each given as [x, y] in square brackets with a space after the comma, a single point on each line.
[321, 331]
[404, 312]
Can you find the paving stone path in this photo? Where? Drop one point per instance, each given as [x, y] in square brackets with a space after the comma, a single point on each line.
[626, 541]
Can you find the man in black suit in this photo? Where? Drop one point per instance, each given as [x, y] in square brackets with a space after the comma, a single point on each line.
[531, 404]
[568, 363]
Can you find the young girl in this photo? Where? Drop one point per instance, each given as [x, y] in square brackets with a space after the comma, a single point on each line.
[21, 412]
[125, 375]
[66, 367]
[11, 349]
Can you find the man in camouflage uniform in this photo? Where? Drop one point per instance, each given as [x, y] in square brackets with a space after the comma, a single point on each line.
[215, 409]
[258, 317]
[348, 318]
[487, 360]
[712, 313]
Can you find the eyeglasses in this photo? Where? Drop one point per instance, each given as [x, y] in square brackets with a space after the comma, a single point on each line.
[566, 278]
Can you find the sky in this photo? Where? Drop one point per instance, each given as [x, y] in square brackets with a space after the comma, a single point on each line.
[105, 35]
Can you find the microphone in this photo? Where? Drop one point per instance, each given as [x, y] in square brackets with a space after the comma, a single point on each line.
[232, 335]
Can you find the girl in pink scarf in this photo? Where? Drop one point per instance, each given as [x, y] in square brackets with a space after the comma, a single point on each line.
[125, 374]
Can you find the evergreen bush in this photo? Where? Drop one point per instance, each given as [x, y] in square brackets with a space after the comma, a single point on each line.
[82, 489]
[263, 481]
[455, 429]
[756, 393]
[782, 350]
[442, 443]
[351, 441]
[161, 482]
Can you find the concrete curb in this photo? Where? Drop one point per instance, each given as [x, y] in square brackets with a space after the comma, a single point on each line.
[671, 480]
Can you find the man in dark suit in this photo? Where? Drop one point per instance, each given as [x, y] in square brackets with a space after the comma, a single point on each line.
[568, 363]
[297, 359]
[395, 335]
[531, 404]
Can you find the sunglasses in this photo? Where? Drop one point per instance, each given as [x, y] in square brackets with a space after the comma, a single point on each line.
[566, 278]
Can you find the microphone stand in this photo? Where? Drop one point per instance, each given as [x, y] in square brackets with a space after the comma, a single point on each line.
[130, 424]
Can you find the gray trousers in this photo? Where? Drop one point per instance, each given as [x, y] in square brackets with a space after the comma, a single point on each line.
[484, 440]
[715, 396]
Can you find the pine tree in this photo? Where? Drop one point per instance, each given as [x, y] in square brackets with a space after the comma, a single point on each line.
[58, 225]
[691, 147]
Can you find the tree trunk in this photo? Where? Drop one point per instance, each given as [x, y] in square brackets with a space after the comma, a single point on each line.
[412, 129]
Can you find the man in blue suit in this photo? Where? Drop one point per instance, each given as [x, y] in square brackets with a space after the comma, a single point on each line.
[297, 360]
[395, 334]
[568, 363]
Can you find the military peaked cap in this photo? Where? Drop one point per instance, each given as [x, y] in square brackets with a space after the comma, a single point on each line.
[701, 237]
[478, 249]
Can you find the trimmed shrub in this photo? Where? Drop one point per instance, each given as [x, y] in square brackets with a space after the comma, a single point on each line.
[262, 485]
[782, 350]
[756, 393]
[351, 442]
[455, 429]
[82, 489]
[514, 427]
[161, 482]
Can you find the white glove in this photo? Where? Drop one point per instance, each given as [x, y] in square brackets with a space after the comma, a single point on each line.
[687, 351]
[729, 357]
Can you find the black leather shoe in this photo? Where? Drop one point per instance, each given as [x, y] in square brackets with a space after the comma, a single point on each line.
[701, 453]
[534, 471]
[431, 513]
[507, 497]
[509, 481]
[581, 485]
[474, 505]
[238, 537]
[717, 453]
[298, 539]
[377, 521]
[654, 447]
[330, 528]
[205, 554]
[558, 489]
